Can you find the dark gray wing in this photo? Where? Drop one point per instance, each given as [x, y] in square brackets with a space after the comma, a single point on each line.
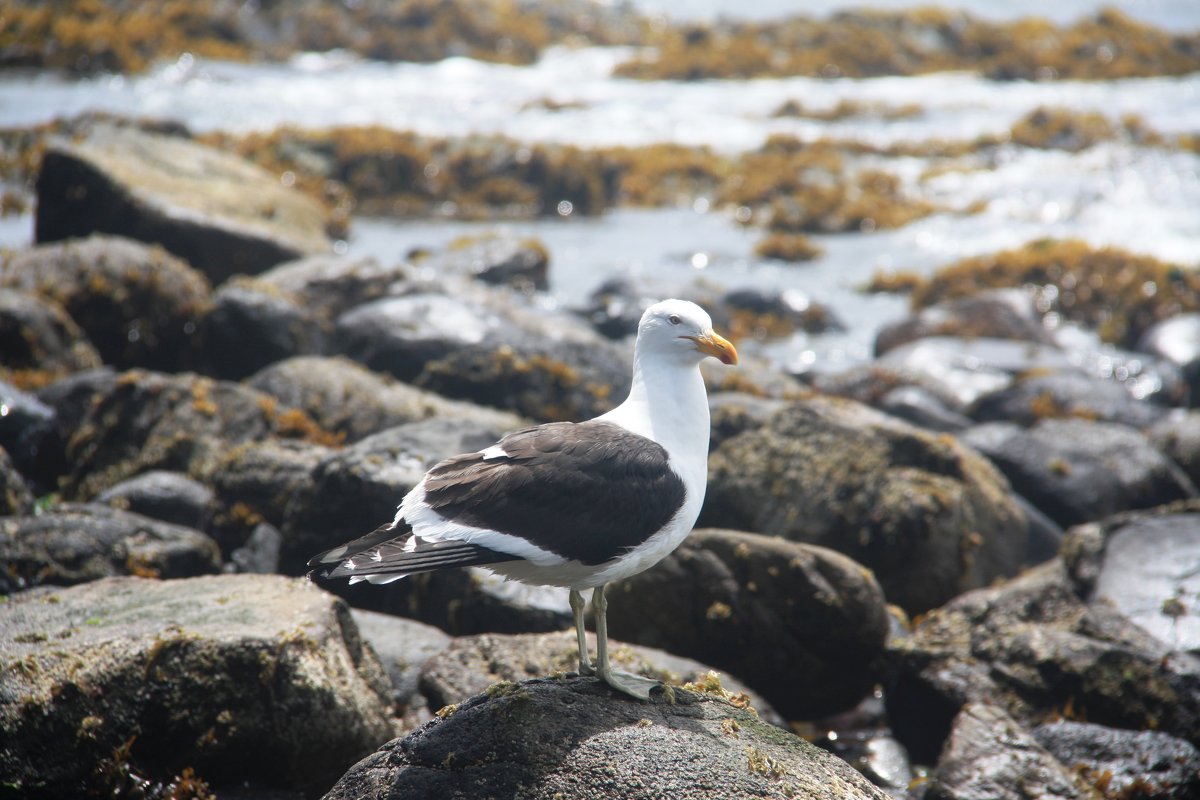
[587, 491]
[383, 552]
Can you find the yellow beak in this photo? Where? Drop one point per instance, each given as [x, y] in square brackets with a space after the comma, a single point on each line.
[714, 344]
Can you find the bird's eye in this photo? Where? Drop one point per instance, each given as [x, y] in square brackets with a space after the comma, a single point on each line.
[674, 319]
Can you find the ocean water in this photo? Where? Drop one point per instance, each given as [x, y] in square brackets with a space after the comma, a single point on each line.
[1143, 199]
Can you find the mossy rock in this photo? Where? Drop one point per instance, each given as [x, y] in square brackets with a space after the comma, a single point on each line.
[245, 680]
[576, 738]
[929, 516]
[138, 305]
[1119, 294]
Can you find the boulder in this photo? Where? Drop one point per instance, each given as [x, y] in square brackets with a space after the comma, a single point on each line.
[990, 757]
[330, 285]
[1067, 394]
[1036, 648]
[928, 516]
[15, 497]
[1144, 565]
[183, 423]
[802, 625]
[404, 647]
[138, 305]
[247, 680]
[500, 259]
[731, 413]
[166, 496]
[75, 543]
[39, 342]
[545, 380]
[1077, 471]
[770, 314]
[399, 335]
[966, 369]
[922, 408]
[998, 314]
[351, 401]
[1122, 763]
[252, 325]
[222, 214]
[256, 481]
[470, 664]
[259, 554]
[576, 738]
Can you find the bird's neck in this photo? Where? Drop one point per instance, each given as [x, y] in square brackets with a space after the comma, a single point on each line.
[667, 403]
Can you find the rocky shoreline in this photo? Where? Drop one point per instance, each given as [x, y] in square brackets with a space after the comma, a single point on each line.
[966, 565]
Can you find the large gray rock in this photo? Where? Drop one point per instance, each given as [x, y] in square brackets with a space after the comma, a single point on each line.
[167, 496]
[1076, 471]
[39, 342]
[330, 285]
[930, 517]
[762, 608]
[72, 543]
[221, 213]
[546, 380]
[70, 399]
[137, 304]
[1035, 647]
[183, 423]
[399, 335]
[350, 400]
[1144, 564]
[990, 757]
[250, 680]
[1065, 394]
[1144, 764]
[576, 738]
[252, 325]
[404, 647]
[498, 259]
[255, 482]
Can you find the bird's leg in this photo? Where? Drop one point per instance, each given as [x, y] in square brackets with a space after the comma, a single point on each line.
[585, 664]
[633, 685]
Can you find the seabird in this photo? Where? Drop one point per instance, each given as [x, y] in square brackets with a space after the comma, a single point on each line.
[576, 505]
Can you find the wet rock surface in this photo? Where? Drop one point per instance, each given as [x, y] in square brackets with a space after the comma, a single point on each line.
[760, 607]
[1124, 763]
[138, 305]
[1033, 647]
[1076, 470]
[930, 517]
[220, 213]
[233, 676]
[1144, 565]
[1032, 398]
[575, 738]
[351, 401]
[72, 544]
[988, 755]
